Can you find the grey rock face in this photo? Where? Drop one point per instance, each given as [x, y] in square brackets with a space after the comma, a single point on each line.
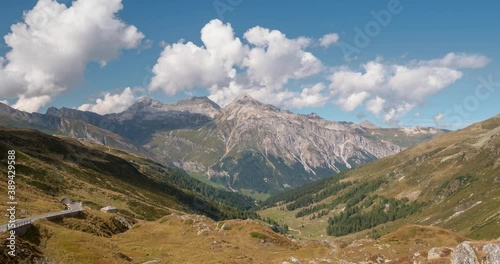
[259, 146]
[464, 254]
[492, 253]
[314, 143]
[69, 122]
[153, 110]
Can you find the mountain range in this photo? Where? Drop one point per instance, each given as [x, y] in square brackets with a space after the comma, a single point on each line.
[246, 145]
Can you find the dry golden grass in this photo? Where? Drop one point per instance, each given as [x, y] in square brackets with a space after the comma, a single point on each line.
[197, 239]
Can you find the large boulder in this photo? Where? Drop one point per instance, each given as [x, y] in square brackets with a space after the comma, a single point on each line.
[492, 253]
[464, 254]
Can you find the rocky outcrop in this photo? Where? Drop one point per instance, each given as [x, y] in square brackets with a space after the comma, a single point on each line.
[475, 253]
[492, 252]
[464, 253]
[123, 223]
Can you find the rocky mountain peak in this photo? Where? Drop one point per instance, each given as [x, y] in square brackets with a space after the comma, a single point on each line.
[313, 116]
[7, 110]
[153, 109]
[202, 101]
[145, 101]
[245, 98]
[54, 111]
[368, 124]
[249, 105]
[198, 99]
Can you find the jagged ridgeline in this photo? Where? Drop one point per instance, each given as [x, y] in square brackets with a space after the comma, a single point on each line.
[246, 146]
[451, 181]
[49, 168]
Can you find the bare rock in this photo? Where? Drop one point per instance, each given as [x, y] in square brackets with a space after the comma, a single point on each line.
[124, 221]
[492, 253]
[464, 254]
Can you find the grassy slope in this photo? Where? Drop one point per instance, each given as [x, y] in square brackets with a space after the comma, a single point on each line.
[196, 239]
[49, 168]
[456, 174]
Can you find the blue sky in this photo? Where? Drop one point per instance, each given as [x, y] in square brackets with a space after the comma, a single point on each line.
[417, 38]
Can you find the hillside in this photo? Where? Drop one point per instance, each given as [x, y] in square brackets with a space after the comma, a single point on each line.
[451, 181]
[49, 168]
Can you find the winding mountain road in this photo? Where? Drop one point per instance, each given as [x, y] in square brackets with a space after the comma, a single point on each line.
[73, 208]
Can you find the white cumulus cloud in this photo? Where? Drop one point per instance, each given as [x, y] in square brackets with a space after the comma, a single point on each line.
[393, 114]
[111, 103]
[259, 65]
[346, 82]
[328, 40]
[309, 97]
[375, 105]
[352, 101]
[274, 59]
[51, 47]
[392, 90]
[31, 104]
[183, 66]
[416, 83]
